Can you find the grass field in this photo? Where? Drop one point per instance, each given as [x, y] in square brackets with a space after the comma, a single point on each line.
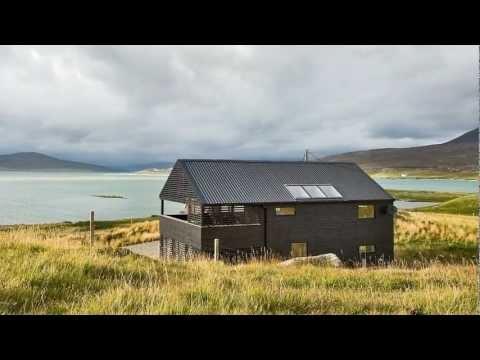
[449, 203]
[426, 173]
[49, 269]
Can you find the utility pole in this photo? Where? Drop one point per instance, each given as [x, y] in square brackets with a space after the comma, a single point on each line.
[305, 156]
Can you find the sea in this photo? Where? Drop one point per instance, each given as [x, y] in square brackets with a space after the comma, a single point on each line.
[32, 198]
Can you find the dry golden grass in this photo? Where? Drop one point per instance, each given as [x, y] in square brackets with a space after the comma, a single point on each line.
[48, 269]
[443, 237]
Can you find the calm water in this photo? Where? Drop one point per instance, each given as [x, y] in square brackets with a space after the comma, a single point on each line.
[42, 197]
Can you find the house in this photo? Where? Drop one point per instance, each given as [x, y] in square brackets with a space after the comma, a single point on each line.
[293, 208]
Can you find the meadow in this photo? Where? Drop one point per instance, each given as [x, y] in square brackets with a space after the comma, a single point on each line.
[50, 269]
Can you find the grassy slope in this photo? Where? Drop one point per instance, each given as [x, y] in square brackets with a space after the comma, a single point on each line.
[49, 270]
[450, 203]
[466, 205]
[422, 173]
[433, 196]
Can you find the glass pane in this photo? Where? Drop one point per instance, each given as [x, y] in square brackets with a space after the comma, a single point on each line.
[366, 249]
[330, 191]
[314, 191]
[298, 249]
[297, 192]
[285, 211]
[366, 211]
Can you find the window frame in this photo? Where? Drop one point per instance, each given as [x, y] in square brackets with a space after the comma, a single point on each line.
[374, 213]
[285, 207]
[367, 252]
[304, 244]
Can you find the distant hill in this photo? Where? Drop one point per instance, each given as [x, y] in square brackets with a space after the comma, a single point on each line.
[31, 161]
[457, 155]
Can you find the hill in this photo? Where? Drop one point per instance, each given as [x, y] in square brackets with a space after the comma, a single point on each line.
[30, 161]
[458, 156]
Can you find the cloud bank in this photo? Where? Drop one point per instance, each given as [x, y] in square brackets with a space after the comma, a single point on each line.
[123, 104]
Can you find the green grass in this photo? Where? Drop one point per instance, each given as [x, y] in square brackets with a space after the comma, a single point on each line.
[449, 202]
[49, 270]
[427, 196]
[466, 205]
[426, 173]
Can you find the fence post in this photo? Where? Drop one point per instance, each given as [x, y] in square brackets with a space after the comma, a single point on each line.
[92, 227]
[216, 249]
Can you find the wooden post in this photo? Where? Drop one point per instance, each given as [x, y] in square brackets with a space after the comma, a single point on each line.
[216, 249]
[92, 227]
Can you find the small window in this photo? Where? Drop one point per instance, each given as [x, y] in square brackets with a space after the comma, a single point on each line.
[366, 211]
[225, 208]
[366, 249]
[298, 249]
[330, 191]
[284, 211]
[314, 191]
[297, 192]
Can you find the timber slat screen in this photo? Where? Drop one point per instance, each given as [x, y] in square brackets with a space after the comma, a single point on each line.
[230, 215]
[179, 251]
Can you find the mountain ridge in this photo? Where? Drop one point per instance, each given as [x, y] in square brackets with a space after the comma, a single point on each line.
[458, 154]
[34, 161]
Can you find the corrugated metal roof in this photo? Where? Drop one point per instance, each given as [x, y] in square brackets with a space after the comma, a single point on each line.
[246, 182]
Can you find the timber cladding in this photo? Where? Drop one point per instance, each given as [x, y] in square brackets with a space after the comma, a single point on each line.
[235, 201]
[333, 227]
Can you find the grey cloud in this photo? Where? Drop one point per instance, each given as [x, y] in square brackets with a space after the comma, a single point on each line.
[117, 104]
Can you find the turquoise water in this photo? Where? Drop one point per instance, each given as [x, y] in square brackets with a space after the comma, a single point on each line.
[27, 198]
[430, 184]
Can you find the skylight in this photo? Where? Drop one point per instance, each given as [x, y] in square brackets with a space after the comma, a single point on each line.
[297, 192]
[313, 191]
[330, 191]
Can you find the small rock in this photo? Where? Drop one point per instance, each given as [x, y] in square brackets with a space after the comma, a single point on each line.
[324, 259]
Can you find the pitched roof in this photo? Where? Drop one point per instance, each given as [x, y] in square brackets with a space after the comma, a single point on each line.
[247, 182]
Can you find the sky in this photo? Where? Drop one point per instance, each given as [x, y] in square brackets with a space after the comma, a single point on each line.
[117, 105]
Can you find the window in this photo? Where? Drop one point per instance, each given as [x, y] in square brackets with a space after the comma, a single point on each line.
[366, 249]
[284, 211]
[225, 208]
[366, 211]
[330, 191]
[314, 191]
[297, 192]
[298, 249]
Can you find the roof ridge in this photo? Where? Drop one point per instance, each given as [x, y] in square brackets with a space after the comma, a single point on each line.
[268, 161]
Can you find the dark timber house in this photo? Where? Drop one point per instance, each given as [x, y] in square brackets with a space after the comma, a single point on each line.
[292, 208]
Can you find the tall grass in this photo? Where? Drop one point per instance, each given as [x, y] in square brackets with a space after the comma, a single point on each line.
[443, 237]
[49, 270]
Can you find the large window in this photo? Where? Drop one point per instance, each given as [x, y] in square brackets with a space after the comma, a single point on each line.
[281, 211]
[366, 211]
[313, 191]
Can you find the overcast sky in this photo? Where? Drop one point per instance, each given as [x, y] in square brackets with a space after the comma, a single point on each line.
[123, 104]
